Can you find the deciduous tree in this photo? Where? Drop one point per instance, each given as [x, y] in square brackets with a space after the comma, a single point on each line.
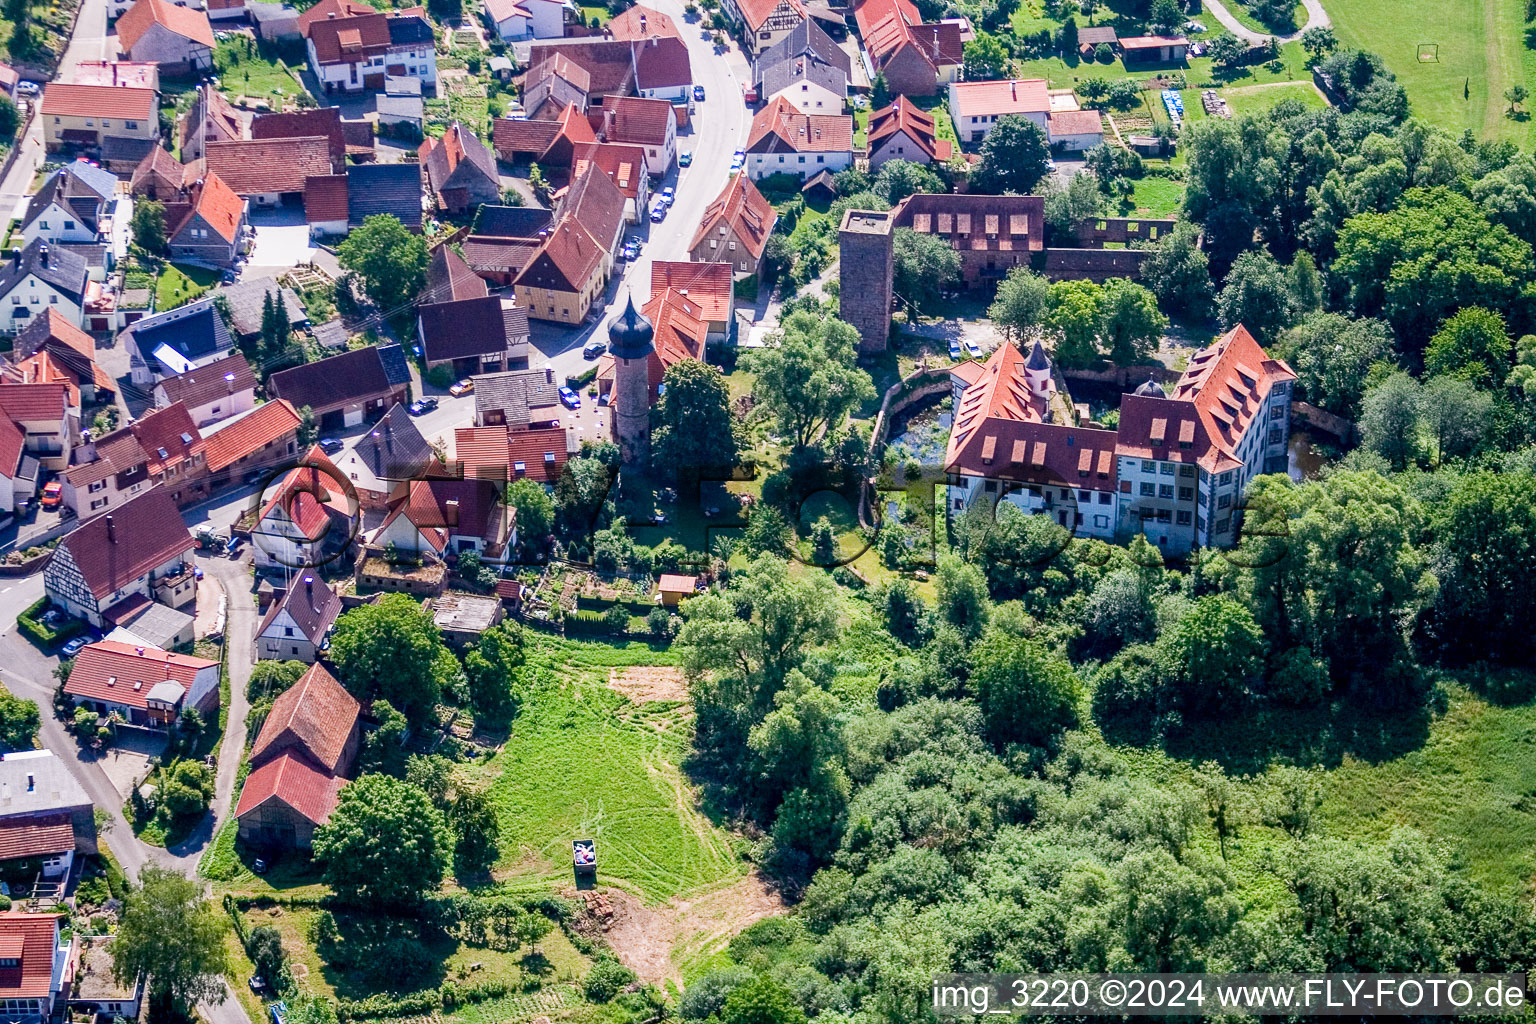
[1013, 157]
[393, 650]
[810, 381]
[925, 267]
[391, 260]
[169, 933]
[693, 430]
[384, 843]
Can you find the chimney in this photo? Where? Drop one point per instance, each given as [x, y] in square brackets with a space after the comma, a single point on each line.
[31, 782]
[1015, 87]
[309, 589]
[111, 531]
[642, 21]
[229, 379]
[451, 512]
[42, 254]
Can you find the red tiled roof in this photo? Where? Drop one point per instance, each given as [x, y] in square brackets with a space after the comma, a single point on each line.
[637, 120]
[348, 40]
[624, 164]
[779, 125]
[478, 512]
[591, 215]
[289, 778]
[674, 583]
[662, 62]
[263, 166]
[250, 433]
[219, 207]
[40, 836]
[301, 496]
[708, 285]
[158, 175]
[303, 124]
[315, 715]
[55, 326]
[326, 8]
[184, 21]
[119, 673]
[34, 936]
[12, 443]
[742, 209]
[1219, 397]
[1015, 96]
[492, 453]
[40, 401]
[756, 12]
[325, 198]
[641, 23]
[501, 10]
[168, 437]
[903, 116]
[450, 279]
[511, 137]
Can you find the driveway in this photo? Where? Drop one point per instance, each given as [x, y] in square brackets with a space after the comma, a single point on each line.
[282, 240]
[1316, 16]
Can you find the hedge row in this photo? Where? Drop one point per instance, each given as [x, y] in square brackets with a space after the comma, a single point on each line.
[31, 624]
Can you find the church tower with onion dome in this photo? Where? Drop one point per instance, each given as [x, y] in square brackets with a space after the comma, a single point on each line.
[630, 341]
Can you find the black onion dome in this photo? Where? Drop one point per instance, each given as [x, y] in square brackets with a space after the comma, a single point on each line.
[630, 334]
[1151, 388]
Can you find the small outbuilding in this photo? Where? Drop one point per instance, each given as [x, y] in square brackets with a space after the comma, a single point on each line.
[673, 587]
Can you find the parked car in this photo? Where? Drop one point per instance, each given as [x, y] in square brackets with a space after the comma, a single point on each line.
[570, 398]
[462, 388]
[331, 445]
[74, 646]
[658, 212]
[698, 93]
[954, 348]
[684, 157]
[53, 494]
[422, 406]
[593, 349]
[669, 196]
[738, 161]
[973, 349]
[27, 89]
[631, 251]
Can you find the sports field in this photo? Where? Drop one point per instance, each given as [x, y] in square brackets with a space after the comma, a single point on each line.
[1482, 52]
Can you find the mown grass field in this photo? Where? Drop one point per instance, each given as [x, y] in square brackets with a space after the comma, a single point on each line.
[1262, 99]
[584, 762]
[1483, 50]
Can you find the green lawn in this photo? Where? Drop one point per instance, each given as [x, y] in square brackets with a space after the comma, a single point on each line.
[584, 762]
[1466, 779]
[1158, 197]
[181, 283]
[245, 71]
[1199, 71]
[1482, 52]
[1262, 100]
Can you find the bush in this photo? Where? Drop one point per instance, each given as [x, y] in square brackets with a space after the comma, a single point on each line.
[659, 622]
[440, 376]
[607, 978]
[616, 619]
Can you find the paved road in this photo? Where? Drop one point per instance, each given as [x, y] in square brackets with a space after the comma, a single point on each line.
[89, 42]
[1315, 16]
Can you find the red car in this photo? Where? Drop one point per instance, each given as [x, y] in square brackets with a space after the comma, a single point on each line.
[53, 494]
